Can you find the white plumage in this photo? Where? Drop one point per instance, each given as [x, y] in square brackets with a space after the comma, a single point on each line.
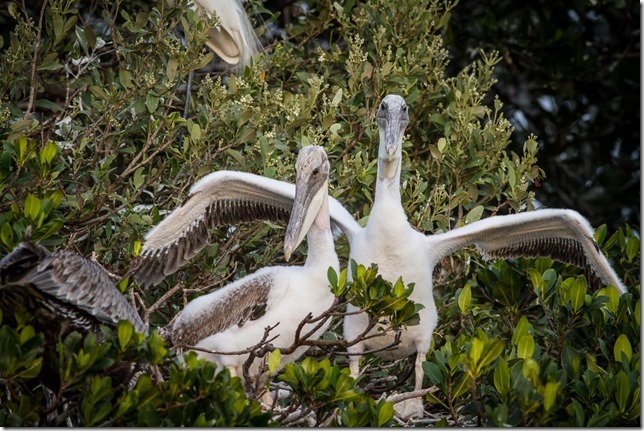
[234, 317]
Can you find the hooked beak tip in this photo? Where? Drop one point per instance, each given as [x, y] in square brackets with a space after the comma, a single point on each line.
[287, 254]
[390, 153]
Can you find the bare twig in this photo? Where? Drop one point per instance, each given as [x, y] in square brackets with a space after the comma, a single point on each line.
[160, 302]
[397, 398]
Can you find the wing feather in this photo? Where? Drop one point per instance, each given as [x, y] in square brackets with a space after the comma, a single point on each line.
[563, 235]
[76, 287]
[220, 198]
[234, 304]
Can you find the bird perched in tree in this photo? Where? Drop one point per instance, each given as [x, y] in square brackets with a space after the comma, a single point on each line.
[233, 318]
[387, 240]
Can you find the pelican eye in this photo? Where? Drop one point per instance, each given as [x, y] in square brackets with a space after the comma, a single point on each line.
[316, 171]
[383, 106]
[404, 108]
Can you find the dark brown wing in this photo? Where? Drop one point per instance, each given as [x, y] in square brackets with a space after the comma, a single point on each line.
[64, 285]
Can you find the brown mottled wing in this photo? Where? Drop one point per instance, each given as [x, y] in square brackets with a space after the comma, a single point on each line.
[235, 304]
[220, 198]
[563, 235]
[76, 287]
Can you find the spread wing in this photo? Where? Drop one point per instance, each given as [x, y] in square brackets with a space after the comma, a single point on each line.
[235, 304]
[73, 286]
[563, 235]
[220, 198]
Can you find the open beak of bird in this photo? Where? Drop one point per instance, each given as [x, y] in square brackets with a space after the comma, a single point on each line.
[311, 187]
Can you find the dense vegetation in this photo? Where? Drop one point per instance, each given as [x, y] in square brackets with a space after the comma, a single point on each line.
[95, 150]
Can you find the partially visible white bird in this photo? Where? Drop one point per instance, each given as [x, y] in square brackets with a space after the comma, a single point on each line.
[234, 317]
[234, 39]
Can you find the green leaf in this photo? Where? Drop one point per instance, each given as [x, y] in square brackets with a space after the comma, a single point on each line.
[622, 345]
[502, 378]
[530, 370]
[522, 329]
[622, 391]
[550, 395]
[578, 293]
[171, 69]
[152, 102]
[337, 98]
[32, 207]
[433, 372]
[385, 413]
[464, 298]
[476, 350]
[474, 214]
[274, 359]
[48, 152]
[98, 92]
[492, 351]
[125, 77]
[124, 330]
[632, 247]
[525, 347]
[6, 235]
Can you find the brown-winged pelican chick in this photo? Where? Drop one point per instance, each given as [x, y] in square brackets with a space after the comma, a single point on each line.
[233, 318]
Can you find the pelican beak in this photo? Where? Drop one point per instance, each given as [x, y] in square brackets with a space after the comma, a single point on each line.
[391, 151]
[392, 139]
[309, 196]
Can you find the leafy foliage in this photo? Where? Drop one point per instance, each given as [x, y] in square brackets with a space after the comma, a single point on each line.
[95, 150]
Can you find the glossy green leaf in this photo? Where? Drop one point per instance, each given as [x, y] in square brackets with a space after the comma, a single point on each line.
[578, 293]
[525, 347]
[622, 345]
[464, 298]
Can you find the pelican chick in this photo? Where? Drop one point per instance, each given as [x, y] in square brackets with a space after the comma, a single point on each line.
[234, 317]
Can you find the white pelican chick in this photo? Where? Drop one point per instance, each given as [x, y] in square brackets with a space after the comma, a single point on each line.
[234, 317]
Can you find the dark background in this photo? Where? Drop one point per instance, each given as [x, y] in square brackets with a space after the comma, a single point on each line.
[570, 75]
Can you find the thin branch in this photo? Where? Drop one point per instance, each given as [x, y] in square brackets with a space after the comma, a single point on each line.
[397, 398]
[34, 63]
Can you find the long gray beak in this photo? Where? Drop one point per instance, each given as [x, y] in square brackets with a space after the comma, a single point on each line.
[392, 137]
[309, 196]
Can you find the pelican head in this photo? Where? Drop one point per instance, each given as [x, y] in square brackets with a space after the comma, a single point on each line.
[392, 119]
[311, 189]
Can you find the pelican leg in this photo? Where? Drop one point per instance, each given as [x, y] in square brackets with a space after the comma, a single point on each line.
[418, 370]
[413, 407]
